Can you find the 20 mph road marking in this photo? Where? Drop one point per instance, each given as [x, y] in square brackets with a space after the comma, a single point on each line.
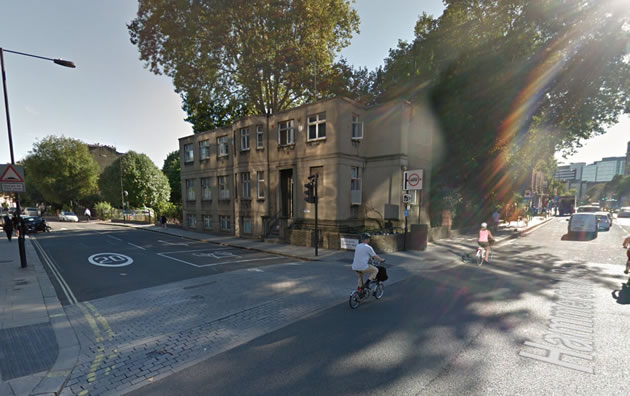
[110, 260]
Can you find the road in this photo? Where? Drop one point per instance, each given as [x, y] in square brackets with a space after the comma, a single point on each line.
[90, 260]
[542, 318]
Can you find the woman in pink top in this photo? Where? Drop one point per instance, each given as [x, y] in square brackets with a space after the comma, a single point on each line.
[485, 239]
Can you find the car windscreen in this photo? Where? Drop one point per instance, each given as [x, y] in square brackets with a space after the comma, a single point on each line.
[588, 209]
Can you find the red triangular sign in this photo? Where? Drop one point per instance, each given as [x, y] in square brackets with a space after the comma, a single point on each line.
[10, 175]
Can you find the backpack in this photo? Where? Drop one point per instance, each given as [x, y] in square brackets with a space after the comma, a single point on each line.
[382, 273]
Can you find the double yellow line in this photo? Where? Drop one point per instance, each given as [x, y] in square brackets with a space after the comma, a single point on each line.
[55, 271]
[102, 333]
[98, 324]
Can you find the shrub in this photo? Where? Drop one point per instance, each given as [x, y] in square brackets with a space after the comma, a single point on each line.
[103, 210]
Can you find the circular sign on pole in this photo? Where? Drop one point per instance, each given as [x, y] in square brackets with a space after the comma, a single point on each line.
[414, 179]
[110, 260]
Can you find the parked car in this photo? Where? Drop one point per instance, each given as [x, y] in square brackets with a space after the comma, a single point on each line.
[604, 222]
[583, 226]
[35, 224]
[30, 212]
[68, 216]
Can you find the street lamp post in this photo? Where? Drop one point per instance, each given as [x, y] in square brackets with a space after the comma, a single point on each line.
[60, 62]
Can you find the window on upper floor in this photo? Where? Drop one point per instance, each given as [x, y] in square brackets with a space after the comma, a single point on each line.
[190, 189]
[246, 185]
[224, 188]
[355, 186]
[204, 149]
[244, 139]
[206, 189]
[317, 126]
[357, 128]
[260, 185]
[222, 145]
[260, 137]
[189, 154]
[286, 133]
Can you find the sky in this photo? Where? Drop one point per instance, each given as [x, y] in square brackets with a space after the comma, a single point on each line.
[111, 99]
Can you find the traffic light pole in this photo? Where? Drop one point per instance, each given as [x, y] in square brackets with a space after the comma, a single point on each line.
[316, 229]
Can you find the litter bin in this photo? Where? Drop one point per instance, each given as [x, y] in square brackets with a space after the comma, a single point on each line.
[418, 236]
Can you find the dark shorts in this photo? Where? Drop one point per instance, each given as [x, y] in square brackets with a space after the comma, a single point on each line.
[486, 244]
[628, 254]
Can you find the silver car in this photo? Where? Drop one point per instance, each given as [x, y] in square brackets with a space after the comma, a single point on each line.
[68, 216]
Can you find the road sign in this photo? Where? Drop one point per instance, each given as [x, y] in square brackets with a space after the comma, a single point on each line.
[412, 179]
[12, 178]
[406, 213]
[407, 198]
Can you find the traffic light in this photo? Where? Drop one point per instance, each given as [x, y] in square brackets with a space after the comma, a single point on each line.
[309, 193]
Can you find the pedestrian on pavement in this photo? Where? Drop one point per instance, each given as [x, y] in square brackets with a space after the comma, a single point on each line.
[8, 227]
[87, 213]
[16, 225]
[626, 245]
[163, 221]
[495, 220]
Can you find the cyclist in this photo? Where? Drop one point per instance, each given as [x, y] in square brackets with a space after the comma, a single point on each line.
[626, 245]
[485, 239]
[362, 255]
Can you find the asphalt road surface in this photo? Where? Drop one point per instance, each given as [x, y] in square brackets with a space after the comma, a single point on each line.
[542, 318]
[89, 261]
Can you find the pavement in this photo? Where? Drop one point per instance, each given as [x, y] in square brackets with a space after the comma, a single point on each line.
[46, 349]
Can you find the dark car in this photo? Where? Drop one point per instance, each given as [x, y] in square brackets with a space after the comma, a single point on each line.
[35, 224]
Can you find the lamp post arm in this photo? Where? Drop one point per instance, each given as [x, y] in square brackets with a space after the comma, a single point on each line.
[57, 61]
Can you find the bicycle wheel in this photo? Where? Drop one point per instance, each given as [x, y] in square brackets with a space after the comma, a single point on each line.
[380, 290]
[480, 256]
[354, 300]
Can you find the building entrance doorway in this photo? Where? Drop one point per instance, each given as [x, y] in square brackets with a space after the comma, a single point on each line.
[286, 192]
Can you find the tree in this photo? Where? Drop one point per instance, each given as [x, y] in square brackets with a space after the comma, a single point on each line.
[252, 56]
[144, 182]
[172, 170]
[61, 170]
[512, 82]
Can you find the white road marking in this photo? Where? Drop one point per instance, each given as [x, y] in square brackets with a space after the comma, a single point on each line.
[255, 270]
[113, 237]
[213, 264]
[110, 260]
[173, 243]
[53, 268]
[134, 245]
[199, 250]
[218, 255]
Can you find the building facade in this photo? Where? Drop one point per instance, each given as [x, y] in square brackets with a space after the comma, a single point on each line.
[603, 171]
[247, 179]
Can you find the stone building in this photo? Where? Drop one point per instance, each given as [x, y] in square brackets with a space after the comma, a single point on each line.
[248, 179]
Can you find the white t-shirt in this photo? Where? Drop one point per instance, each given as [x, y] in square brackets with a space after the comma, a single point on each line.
[362, 254]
